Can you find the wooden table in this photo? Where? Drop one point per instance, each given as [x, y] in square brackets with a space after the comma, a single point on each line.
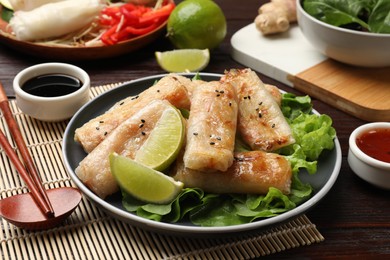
[354, 217]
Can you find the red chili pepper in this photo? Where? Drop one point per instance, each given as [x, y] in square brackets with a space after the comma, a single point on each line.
[111, 11]
[163, 12]
[120, 36]
[141, 31]
[132, 17]
[128, 20]
[106, 37]
[129, 7]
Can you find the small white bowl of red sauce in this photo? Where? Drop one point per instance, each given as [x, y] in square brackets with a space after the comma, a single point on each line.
[369, 153]
[51, 91]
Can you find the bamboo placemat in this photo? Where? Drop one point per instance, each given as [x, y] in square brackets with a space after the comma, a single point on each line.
[89, 233]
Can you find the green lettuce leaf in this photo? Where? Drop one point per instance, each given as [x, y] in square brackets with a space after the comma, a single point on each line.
[314, 134]
[218, 211]
[272, 204]
[174, 211]
[293, 106]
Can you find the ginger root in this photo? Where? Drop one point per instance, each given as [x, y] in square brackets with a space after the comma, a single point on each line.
[276, 16]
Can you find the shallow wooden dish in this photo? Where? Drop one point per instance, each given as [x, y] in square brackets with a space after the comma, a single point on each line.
[77, 53]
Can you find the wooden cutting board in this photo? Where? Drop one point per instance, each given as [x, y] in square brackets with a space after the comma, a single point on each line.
[290, 59]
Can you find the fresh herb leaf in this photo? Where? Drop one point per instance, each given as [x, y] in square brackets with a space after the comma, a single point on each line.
[371, 15]
[338, 12]
[379, 20]
[197, 76]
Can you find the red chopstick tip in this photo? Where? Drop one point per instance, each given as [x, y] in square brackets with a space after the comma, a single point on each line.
[50, 214]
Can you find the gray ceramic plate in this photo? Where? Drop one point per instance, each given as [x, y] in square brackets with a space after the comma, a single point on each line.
[322, 181]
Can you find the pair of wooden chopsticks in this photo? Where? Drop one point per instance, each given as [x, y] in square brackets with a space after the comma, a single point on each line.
[31, 178]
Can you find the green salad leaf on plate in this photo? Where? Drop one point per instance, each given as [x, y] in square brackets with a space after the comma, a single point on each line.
[313, 133]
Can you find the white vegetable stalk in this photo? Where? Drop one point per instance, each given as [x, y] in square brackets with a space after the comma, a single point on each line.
[27, 5]
[54, 19]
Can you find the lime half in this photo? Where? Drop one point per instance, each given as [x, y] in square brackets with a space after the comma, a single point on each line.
[164, 142]
[183, 60]
[143, 182]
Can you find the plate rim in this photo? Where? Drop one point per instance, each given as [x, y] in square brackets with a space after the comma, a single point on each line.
[174, 228]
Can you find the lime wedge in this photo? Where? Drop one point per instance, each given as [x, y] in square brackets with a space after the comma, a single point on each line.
[183, 60]
[6, 4]
[143, 182]
[164, 142]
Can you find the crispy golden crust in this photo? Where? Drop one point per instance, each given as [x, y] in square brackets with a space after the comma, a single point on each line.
[97, 129]
[211, 128]
[251, 173]
[261, 123]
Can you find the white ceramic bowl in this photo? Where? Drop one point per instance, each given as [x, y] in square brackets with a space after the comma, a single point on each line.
[56, 108]
[348, 46]
[369, 169]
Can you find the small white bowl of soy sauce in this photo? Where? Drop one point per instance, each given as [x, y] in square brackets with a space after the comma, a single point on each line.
[51, 91]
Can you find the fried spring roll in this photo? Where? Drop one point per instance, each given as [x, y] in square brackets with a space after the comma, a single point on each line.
[261, 123]
[252, 172]
[275, 93]
[211, 127]
[193, 85]
[97, 129]
[94, 170]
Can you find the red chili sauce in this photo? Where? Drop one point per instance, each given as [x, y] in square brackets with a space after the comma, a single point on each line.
[375, 143]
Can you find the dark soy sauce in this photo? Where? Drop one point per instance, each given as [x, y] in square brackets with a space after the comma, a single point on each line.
[52, 85]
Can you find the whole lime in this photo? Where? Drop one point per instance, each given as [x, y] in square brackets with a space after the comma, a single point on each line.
[196, 24]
